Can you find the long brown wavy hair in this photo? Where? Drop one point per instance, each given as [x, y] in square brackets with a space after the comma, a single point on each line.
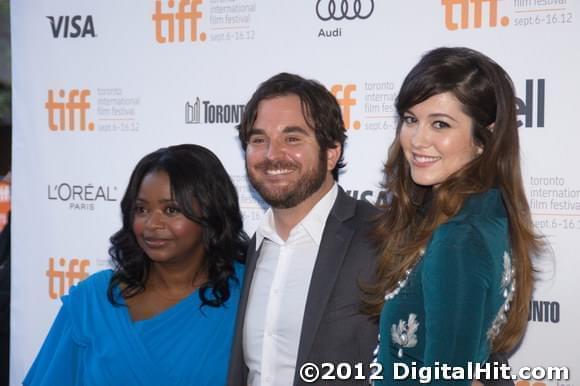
[487, 96]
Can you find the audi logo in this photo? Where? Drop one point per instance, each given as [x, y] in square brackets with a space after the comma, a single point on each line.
[344, 9]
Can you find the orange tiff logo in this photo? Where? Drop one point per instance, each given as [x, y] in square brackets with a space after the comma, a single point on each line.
[66, 274]
[165, 22]
[4, 203]
[343, 95]
[62, 113]
[466, 7]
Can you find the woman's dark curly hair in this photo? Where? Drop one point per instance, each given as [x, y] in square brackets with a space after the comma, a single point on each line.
[197, 178]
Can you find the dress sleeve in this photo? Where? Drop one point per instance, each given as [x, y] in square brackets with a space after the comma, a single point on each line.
[456, 280]
[58, 362]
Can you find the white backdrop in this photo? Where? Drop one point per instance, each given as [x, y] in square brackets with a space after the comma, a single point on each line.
[97, 85]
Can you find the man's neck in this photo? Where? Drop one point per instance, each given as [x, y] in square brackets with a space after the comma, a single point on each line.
[286, 219]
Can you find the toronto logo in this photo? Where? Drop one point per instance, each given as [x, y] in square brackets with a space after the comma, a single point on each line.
[204, 111]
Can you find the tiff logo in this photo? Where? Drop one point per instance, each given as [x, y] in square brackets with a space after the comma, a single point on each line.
[76, 104]
[475, 6]
[345, 102]
[193, 112]
[71, 26]
[65, 275]
[165, 21]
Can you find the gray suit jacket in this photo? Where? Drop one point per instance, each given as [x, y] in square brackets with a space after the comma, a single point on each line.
[333, 329]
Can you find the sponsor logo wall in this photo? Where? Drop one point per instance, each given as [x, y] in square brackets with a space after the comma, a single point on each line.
[100, 93]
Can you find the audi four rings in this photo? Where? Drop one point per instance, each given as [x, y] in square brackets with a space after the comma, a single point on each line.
[344, 9]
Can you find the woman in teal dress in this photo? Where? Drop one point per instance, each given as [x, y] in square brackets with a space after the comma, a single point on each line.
[457, 240]
[165, 314]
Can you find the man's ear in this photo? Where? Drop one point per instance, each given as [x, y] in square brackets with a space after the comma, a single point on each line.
[333, 155]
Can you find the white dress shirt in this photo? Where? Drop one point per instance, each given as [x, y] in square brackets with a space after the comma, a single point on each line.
[277, 297]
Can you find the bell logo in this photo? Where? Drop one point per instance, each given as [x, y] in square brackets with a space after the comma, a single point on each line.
[477, 10]
[187, 13]
[76, 104]
[343, 95]
[526, 107]
[65, 275]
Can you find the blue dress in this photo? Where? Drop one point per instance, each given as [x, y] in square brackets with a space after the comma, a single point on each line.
[94, 343]
[451, 304]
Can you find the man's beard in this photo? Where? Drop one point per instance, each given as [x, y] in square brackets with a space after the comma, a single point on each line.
[300, 190]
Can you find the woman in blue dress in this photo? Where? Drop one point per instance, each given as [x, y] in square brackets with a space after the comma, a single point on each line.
[457, 240]
[165, 313]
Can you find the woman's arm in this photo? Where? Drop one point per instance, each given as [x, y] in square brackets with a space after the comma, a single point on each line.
[456, 279]
[58, 362]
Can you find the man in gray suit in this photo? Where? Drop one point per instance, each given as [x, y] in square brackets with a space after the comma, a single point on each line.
[301, 297]
[301, 300]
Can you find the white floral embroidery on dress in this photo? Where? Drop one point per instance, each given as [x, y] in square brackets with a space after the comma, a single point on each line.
[405, 333]
[389, 296]
[508, 287]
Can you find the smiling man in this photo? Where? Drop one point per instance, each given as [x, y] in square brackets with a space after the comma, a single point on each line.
[301, 298]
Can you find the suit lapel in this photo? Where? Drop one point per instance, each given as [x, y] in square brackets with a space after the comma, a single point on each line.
[333, 247]
[238, 371]
[251, 260]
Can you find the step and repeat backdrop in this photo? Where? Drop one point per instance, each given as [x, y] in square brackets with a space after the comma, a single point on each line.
[97, 85]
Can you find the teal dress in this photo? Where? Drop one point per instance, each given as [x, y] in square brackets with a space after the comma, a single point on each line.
[94, 343]
[452, 302]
